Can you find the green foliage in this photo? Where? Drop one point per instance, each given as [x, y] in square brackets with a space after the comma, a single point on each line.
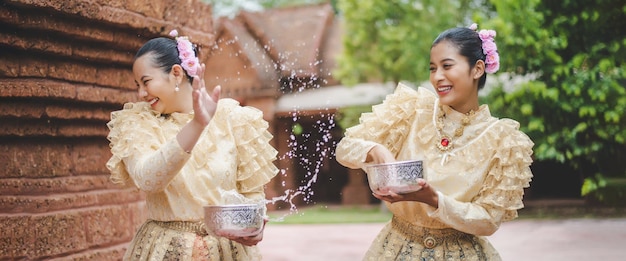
[333, 214]
[575, 111]
[610, 191]
[349, 116]
[390, 40]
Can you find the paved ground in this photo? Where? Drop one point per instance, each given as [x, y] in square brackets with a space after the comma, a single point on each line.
[536, 240]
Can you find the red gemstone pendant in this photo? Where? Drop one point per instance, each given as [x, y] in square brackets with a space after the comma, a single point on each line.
[445, 142]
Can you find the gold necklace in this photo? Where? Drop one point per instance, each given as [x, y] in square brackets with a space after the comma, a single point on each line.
[445, 142]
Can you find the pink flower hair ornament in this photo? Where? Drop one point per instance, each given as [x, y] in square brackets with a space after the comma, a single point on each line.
[188, 58]
[490, 49]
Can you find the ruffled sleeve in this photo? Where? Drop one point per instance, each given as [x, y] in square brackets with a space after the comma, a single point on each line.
[510, 174]
[140, 156]
[256, 156]
[502, 190]
[387, 125]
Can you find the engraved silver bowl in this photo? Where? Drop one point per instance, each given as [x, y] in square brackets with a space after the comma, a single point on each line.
[240, 220]
[399, 177]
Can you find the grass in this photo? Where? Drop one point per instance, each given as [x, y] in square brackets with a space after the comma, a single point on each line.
[340, 214]
[331, 214]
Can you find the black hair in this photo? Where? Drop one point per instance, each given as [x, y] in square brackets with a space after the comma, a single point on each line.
[469, 44]
[165, 52]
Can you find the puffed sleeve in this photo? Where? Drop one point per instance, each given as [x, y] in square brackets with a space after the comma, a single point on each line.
[140, 157]
[256, 156]
[502, 191]
[388, 124]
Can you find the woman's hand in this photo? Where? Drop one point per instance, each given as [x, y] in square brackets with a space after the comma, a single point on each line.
[250, 240]
[204, 105]
[426, 195]
[379, 154]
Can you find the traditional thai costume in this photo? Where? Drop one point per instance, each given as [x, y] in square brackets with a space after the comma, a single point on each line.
[479, 176]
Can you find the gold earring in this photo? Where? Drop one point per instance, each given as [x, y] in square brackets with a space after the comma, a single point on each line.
[176, 89]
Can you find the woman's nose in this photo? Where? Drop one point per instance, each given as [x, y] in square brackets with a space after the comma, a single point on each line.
[142, 92]
[438, 75]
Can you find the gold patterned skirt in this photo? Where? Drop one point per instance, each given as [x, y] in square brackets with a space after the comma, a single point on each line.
[180, 240]
[400, 240]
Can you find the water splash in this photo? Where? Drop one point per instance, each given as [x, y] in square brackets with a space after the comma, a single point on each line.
[311, 150]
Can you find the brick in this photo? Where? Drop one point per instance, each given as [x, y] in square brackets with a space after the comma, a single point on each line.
[91, 157]
[17, 237]
[58, 89]
[45, 186]
[20, 109]
[107, 225]
[29, 66]
[153, 9]
[82, 130]
[71, 111]
[32, 159]
[24, 159]
[58, 233]
[47, 203]
[103, 254]
[105, 95]
[119, 196]
[36, 88]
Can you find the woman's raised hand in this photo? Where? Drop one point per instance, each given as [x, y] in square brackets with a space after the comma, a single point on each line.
[204, 105]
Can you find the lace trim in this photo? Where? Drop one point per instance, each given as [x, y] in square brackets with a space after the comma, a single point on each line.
[198, 227]
[388, 122]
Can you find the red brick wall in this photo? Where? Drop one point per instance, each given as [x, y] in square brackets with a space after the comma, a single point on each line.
[64, 66]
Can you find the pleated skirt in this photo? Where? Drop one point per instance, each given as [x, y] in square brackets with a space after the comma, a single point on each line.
[176, 240]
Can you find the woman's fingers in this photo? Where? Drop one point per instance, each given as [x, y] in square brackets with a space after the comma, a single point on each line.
[215, 95]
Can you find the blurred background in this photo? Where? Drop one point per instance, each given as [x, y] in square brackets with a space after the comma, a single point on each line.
[312, 67]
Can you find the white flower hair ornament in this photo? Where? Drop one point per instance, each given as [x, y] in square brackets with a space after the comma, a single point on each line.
[188, 58]
[492, 59]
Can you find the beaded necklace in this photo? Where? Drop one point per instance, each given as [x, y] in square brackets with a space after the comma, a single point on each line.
[445, 142]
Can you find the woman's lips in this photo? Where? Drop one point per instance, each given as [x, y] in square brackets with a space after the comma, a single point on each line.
[444, 89]
[153, 101]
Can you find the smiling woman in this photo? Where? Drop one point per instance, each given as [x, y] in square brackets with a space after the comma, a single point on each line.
[475, 165]
[187, 149]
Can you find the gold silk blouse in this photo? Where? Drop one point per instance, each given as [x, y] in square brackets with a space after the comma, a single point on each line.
[480, 182]
[232, 154]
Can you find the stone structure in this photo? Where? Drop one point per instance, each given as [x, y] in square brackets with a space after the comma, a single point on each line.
[64, 66]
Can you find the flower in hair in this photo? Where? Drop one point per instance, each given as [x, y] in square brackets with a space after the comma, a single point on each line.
[490, 49]
[188, 58]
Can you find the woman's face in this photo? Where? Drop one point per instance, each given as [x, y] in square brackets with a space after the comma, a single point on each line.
[155, 86]
[451, 76]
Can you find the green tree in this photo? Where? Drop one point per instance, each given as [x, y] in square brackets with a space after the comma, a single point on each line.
[389, 40]
[231, 8]
[575, 109]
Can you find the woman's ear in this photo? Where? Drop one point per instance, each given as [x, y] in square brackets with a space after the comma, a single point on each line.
[479, 69]
[178, 72]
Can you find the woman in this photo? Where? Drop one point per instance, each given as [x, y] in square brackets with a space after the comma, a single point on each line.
[476, 166]
[184, 148]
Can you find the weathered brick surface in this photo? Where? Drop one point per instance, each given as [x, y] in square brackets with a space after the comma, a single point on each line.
[65, 65]
[108, 225]
[57, 233]
[72, 184]
[29, 236]
[17, 236]
[32, 159]
[102, 254]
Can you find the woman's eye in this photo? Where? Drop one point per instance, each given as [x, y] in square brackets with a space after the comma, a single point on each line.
[447, 65]
[432, 69]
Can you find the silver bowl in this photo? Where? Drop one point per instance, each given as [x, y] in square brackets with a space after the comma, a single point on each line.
[399, 177]
[234, 220]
